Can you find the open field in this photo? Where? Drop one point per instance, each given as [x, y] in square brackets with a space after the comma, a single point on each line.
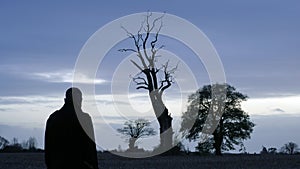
[107, 161]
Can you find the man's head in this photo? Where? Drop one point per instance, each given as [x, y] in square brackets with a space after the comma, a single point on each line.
[74, 96]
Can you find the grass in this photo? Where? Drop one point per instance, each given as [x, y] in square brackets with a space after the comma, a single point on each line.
[109, 161]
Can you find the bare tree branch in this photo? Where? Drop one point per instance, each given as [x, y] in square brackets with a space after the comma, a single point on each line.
[142, 87]
[128, 33]
[142, 26]
[136, 65]
[165, 87]
[141, 83]
[156, 36]
[126, 50]
[153, 42]
[168, 77]
[173, 70]
[147, 30]
[137, 45]
[157, 19]
[150, 71]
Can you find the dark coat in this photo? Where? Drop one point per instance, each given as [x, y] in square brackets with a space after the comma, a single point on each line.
[66, 143]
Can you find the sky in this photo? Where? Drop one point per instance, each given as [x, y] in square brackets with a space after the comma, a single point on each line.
[257, 42]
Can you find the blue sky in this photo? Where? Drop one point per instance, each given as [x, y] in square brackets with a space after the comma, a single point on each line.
[257, 42]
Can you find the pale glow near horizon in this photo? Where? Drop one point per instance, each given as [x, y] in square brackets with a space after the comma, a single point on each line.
[288, 105]
[35, 109]
[32, 112]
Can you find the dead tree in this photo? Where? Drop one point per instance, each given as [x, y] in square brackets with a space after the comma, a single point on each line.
[152, 78]
[135, 129]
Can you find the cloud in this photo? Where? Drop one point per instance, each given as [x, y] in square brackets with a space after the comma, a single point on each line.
[66, 76]
[1, 109]
[120, 119]
[27, 109]
[272, 105]
[278, 110]
[17, 100]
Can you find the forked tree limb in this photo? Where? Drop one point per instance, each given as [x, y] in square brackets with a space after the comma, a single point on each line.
[141, 83]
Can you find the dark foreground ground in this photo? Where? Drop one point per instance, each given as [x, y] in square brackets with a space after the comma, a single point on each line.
[107, 161]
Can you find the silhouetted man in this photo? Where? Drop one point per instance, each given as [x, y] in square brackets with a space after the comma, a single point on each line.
[69, 136]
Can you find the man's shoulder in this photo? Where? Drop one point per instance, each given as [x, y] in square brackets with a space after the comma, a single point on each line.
[53, 115]
[85, 115]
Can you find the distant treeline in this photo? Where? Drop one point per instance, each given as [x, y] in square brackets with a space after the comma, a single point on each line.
[29, 145]
[288, 148]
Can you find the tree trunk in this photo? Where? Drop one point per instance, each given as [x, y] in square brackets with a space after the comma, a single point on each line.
[164, 120]
[132, 143]
[166, 131]
[218, 138]
[218, 151]
[218, 144]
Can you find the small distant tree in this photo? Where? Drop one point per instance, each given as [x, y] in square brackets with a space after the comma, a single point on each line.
[264, 150]
[24, 144]
[272, 150]
[135, 129]
[15, 141]
[3, 143]
[119, 149]
[243, 148]
[32, 143]
[15, 146]
[290, 148]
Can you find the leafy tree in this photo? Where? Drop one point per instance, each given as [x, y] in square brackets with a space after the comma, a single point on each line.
[152, 77]
[135, 129]
[290, 148]
[205, 148]
[232, 127]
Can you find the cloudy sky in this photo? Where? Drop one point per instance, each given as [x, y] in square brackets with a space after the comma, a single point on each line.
[257, 42]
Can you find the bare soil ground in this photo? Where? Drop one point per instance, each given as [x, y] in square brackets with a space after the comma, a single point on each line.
[108, 161]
